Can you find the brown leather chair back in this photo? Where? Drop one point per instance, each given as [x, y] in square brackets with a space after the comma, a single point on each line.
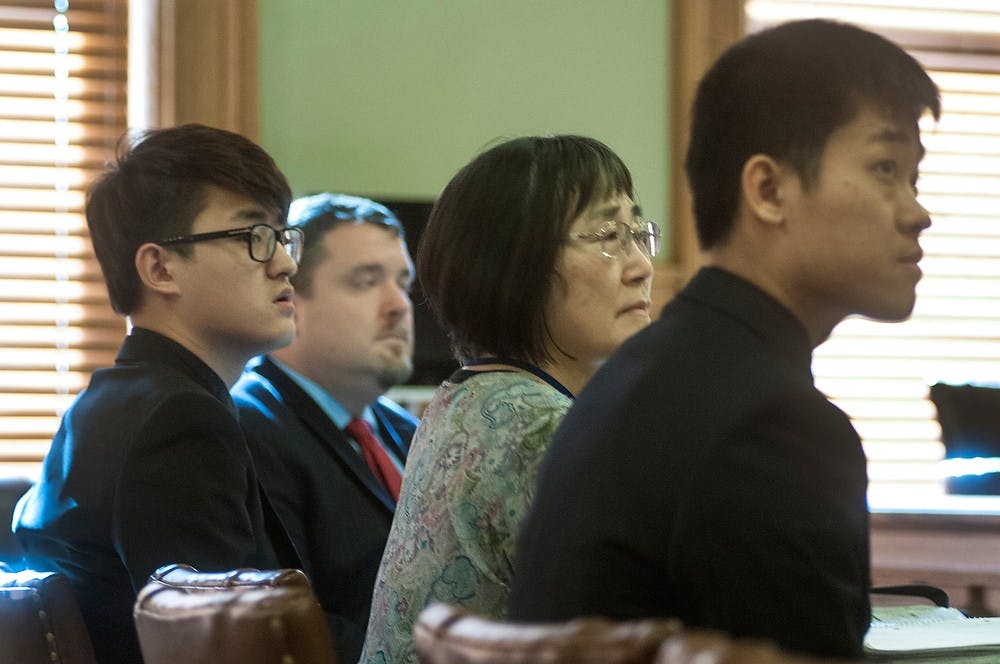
[710, 647]
[243, 616]
[185, 577]
[453, 635]
[40, 621]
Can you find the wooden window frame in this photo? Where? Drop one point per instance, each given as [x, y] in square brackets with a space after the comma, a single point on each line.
[205, 63]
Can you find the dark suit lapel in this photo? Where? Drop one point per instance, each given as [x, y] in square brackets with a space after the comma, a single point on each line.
[314, 419]
[392, 439]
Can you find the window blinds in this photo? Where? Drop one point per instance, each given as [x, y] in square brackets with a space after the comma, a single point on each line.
[62, 110]
[879, 373]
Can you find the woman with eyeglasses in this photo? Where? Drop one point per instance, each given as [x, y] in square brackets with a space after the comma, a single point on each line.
[537, 261]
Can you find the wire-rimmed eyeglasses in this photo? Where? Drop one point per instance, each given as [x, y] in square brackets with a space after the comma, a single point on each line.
[262, 240]
[616, 236]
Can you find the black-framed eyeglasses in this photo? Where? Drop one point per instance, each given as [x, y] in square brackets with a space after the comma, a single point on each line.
[616, 236]
[262, 240]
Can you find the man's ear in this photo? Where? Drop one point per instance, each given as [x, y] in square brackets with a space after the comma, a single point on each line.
[761, 182]
[155, 265]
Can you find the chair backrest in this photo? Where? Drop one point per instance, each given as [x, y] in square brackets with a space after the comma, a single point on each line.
[697, 646]
[447, 634]
[11, 489]
[40, 620]
[246, 616]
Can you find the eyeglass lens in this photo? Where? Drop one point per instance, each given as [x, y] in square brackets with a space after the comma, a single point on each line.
[649, 238]
[264, 242]
[646, 238]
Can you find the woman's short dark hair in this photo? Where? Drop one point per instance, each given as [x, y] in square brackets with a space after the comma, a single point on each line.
[156, 188]
[487, 257]
[782, 92]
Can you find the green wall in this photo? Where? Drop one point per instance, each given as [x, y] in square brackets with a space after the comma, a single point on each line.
[392, 97]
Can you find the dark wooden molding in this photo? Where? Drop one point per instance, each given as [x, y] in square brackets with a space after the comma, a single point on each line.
[700, 31]
[208, 64]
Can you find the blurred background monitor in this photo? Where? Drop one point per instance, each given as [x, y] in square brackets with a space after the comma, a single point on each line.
[970, 430]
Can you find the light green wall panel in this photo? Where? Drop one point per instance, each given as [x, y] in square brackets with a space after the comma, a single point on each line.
[392, 97]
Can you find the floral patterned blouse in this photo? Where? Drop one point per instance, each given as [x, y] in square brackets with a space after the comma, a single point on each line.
[468, 483]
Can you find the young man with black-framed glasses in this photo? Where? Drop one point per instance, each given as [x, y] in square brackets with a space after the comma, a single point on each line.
[150, 466]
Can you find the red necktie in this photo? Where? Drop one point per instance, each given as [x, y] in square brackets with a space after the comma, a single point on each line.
[378, 460]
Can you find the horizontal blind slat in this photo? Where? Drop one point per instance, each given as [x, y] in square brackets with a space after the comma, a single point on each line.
[62, 111]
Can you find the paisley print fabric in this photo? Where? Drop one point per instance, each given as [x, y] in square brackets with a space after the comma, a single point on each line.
[469, 480]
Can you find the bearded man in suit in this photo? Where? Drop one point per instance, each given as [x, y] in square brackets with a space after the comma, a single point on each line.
[328, 447]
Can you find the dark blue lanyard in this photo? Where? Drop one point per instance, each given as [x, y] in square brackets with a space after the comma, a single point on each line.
[530, 368]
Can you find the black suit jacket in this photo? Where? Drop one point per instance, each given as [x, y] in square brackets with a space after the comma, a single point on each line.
[700, 474]
[149, 467]
[335, 511]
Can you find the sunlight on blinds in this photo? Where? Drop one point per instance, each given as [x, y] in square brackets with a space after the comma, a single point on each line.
[960, 16]
[880, 373]
[62, 108]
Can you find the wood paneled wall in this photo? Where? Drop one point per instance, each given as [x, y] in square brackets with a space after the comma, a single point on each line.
[207, 67]
[700, 31]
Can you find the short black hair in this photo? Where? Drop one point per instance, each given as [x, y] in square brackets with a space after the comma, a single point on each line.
[782, 92]
[157, 186]
[318, 214]
[487, 256]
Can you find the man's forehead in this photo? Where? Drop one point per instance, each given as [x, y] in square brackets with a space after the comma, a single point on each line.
[897, 136]
[362, 228]
[358, 243]
[872, 125]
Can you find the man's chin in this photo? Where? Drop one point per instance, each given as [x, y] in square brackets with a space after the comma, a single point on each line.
[278, 340]
[394, 375]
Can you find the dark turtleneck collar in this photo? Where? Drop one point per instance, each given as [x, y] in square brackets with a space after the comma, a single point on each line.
[765, 316]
